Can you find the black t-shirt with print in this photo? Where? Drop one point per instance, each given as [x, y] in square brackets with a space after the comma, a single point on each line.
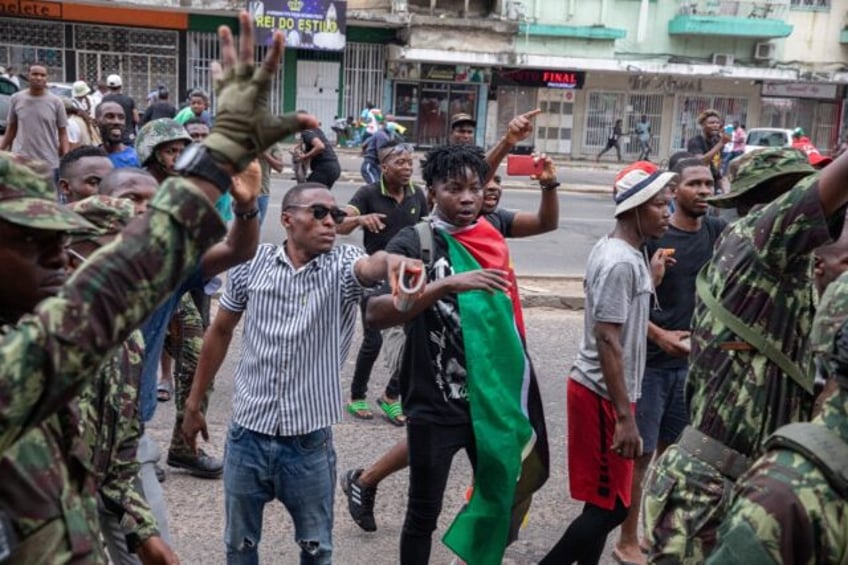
[433, 371]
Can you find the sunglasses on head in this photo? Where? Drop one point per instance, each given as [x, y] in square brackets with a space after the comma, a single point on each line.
[320, 211]
[387, 152]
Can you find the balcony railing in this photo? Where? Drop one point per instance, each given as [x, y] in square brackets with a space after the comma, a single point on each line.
[770, 9]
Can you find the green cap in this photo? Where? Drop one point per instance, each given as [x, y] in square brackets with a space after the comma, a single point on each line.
[28, 199]
[762, 175]
[108, 215]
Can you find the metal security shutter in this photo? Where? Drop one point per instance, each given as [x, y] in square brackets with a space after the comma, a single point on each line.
[513, 101]
[144, 58]
[607, 107]
[318, 90]
[364, 74]
[203, 48]
[556, 122]
[688, 108]
[26, 42]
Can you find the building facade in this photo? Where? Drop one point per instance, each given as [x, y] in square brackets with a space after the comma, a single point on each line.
[778, 63]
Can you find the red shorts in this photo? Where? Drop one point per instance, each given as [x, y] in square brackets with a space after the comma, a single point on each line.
[595, 474]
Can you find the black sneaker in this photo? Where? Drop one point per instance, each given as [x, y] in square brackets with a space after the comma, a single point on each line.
[360, 500]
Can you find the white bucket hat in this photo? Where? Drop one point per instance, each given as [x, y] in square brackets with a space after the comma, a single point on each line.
[644, 187]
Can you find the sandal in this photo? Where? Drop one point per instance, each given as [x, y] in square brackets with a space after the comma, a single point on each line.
[392, 411]
[359, 409]
[164, 390]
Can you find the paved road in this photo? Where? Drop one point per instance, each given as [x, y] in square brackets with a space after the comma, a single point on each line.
[197, 510]
[584, 218]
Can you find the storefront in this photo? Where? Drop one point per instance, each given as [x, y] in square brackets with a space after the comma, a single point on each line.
[670, 103]
[553, 91]
[812, 106]
[424, 96]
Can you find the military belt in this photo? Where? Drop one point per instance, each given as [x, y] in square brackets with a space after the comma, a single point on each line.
[723, 459]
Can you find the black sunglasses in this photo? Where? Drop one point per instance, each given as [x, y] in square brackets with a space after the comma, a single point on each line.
[320, 211]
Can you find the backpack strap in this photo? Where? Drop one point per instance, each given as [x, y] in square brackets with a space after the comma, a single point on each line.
[827, 451]
[425, 240]
[745, 332]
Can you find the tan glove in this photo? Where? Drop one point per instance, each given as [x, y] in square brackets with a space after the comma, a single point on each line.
[244, 126]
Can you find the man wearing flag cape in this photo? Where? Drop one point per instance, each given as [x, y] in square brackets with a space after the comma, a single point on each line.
[466, 380]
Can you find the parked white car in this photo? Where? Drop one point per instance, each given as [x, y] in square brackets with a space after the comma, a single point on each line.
[768, 137]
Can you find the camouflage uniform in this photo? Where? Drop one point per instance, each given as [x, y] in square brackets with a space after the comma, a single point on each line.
[48, 356]
[784, 509]
[183, 343]
[110, 425]
[761, 272]
[831, 313]
[185, 331]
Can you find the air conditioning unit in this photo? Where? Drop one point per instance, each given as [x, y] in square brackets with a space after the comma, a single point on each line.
[723, 59]
[400, 7]
[764, 51]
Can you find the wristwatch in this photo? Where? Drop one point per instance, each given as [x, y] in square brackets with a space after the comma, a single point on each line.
[196, 161]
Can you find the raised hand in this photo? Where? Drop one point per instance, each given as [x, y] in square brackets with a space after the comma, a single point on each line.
[244, 125]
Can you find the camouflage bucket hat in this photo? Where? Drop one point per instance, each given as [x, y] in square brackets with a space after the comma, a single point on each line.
[108, 215]
[27, 198]
[752, 171]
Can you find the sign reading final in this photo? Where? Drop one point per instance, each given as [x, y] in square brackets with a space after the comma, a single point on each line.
[307, 24]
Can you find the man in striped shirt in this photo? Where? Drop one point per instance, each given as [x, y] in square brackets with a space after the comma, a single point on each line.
[301, 300]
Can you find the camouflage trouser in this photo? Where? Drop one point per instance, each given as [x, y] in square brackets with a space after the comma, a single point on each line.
[685, 502]
[183, 343]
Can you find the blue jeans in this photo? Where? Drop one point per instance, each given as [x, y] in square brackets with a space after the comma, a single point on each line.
[262, 202]
[299, 471]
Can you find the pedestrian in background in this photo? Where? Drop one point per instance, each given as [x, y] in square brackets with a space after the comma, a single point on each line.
[115, 84]
[710, 143]
[613, 141]
[37, 125]
[324, 167]
[643, 133]
[81, 93]
[160, 108]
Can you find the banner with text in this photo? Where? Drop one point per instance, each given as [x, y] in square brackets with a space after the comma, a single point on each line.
[307, 24]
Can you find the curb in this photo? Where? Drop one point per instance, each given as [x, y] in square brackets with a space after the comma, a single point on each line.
[561, 302]
[538, 291]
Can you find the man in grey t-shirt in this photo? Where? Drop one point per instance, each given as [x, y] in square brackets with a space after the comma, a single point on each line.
[37, 124]
[605, 382]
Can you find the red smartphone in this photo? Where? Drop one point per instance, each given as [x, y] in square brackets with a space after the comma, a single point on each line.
[523, 165]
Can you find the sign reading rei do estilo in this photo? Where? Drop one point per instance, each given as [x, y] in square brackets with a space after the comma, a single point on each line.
[307, 24]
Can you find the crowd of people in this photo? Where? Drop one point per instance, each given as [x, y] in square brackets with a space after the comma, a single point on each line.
[707, 401]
